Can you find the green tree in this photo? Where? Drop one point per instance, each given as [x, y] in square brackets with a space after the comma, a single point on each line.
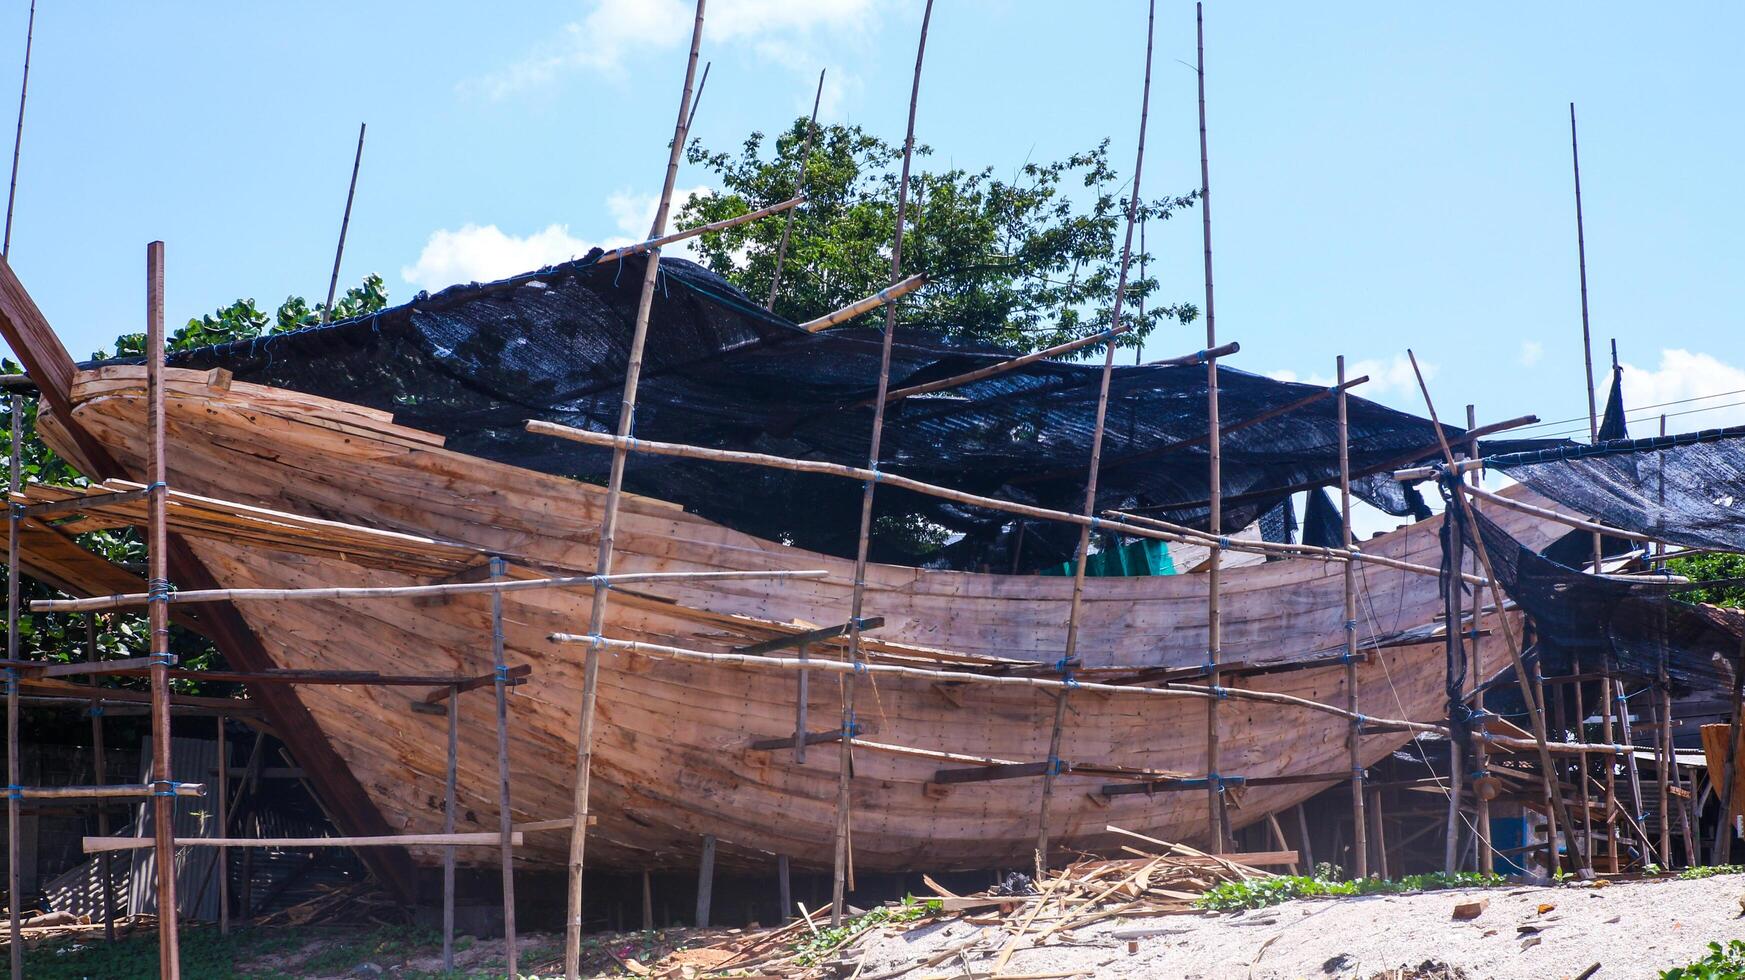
[1025, 263]
[1725, 572]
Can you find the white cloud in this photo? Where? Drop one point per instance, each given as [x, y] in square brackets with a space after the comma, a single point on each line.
[1385, 377]
[1531, 352]
[482, 253]
[1685, 375]
[612, 31]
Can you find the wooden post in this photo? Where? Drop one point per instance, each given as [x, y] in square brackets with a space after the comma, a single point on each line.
[802, 694]
[158, 614]
[1378, 834]
[784, 889]
[1353, 734]
[14, 771]
[448, 803]
[1215, 520]
[608, 527]
[100, 774]
[1070, 654]
[344, 225]
[1302, 818]
[1723, 849]
[705, 881]
[223, 861]
[845, 759]
[1535, 704]
[647, 901]
[775, 283]
[1278, 833]
[18, 135]
[505, 816]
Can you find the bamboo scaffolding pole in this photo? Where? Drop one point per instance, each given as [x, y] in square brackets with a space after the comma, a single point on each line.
[14, 773]
[158, 615]
[487, 838]
[344, 226]
[1722, 852]
[654, 651]
[1666, 763]
[1552, 816]
[505, 818]
[100, 772]
[1632, 771]
[408, 591]
[843, 870]
[1485, 854]
[1216, 818]
[609, 524]
[654, 244]
[1611, 776]
[1457, 673]
[884, 297]
[18, 134]
[702, 86]
[1070, 652]
[1535, 707]
[223, 826]
[775, 282]
[1001, 367]
[1580, 729]
[1587, 347]
[1129, 524]
[1552, 515]
[1359, 822]
[448, 804]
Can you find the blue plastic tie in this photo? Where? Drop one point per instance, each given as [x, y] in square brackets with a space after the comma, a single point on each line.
[172, 784]
[1223, 542]
[158, 590]
[1055, 767]
[163, 660]
[15, 792]
[159, 485]
[502, 673]
[96, 711]
[1223, 693]
[1351, 626]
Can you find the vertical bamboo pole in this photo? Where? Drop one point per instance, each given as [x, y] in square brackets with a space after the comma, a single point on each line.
[505, 817]
[1551, 773]
[223, 822]
[1611, 768]
[1455, 648]
[1631, 770]
[1215, 520]
[1667, 764]
[1359, 824]
[448, 785]
[344, 225]
[100, 773]
[1070, 654]
[775, 283]
[14, 884]
[802, 694]
[608, 527]
[1535, 704]
[1302, 818]
[1586, 767]
[843, 862]
[1587, 347]
[696, 102]
[18, 135]
[157, 552]
[1378, 833]
[1480, 755]
[1723, 849]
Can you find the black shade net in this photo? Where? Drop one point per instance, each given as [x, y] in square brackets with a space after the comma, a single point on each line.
[473, 362]
[1635, 626]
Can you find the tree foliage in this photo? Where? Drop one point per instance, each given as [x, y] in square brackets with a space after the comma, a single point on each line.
[1725, 572]
[1026, 262]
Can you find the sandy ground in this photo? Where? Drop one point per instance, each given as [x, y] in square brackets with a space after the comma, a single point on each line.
[1633, 929]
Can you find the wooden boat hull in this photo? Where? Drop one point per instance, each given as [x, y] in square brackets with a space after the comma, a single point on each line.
[672, 757]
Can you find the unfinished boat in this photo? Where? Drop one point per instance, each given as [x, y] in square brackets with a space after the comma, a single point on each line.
[675, 755]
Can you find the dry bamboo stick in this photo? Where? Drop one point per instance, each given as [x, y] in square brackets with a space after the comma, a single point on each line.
[1359, 823]
[843, 870]
[488, 838]
[1632, 771]
[775, 282]
[889, 294]
[1130, 524]
[654, 244]
[659, 652]
[14, 888]
[1070, 653]
[18, 134]
[505, 818]
[1587, 346]
[105, 791]
[609, 524]
[1216, 818]
[1001, 367]
[407, 591]
[1535, 707]
[448, 803]
[344, 226]
[1552, 515]
[158, 615]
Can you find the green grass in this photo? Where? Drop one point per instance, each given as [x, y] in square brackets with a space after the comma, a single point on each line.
[1706, 871]
[814, 948]
[1262, 892]
[1721, 964]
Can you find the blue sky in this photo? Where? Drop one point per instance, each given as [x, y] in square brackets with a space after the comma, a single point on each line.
[1384, 175]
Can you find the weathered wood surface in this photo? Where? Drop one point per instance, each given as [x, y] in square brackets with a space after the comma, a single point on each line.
[673, 761]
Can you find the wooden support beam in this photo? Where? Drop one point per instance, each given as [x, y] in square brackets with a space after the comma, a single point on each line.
[705, 881]
[788, 741]
[810, 636]
[784, 890]
[505, 817]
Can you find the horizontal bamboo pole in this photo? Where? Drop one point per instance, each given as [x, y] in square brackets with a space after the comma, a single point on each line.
[97, 845]
[1551, 515]
[407, 591]
[1461, 468]
[657, 652]
[73, 505]
[104, 792]
[1177, 533]
[1199, 357]
[873, 302]
[713, 226]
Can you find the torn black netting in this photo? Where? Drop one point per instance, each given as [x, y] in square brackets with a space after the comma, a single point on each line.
[475, 361]
[1637, 625]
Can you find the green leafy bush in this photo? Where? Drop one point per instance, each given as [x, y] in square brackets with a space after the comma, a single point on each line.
[1701, 872]
[816, 946]
[1721, 964]
[1262, 892]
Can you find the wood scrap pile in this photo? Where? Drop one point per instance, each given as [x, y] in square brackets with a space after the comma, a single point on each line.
[1159, 879]
[350, 904]
[57, 925]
